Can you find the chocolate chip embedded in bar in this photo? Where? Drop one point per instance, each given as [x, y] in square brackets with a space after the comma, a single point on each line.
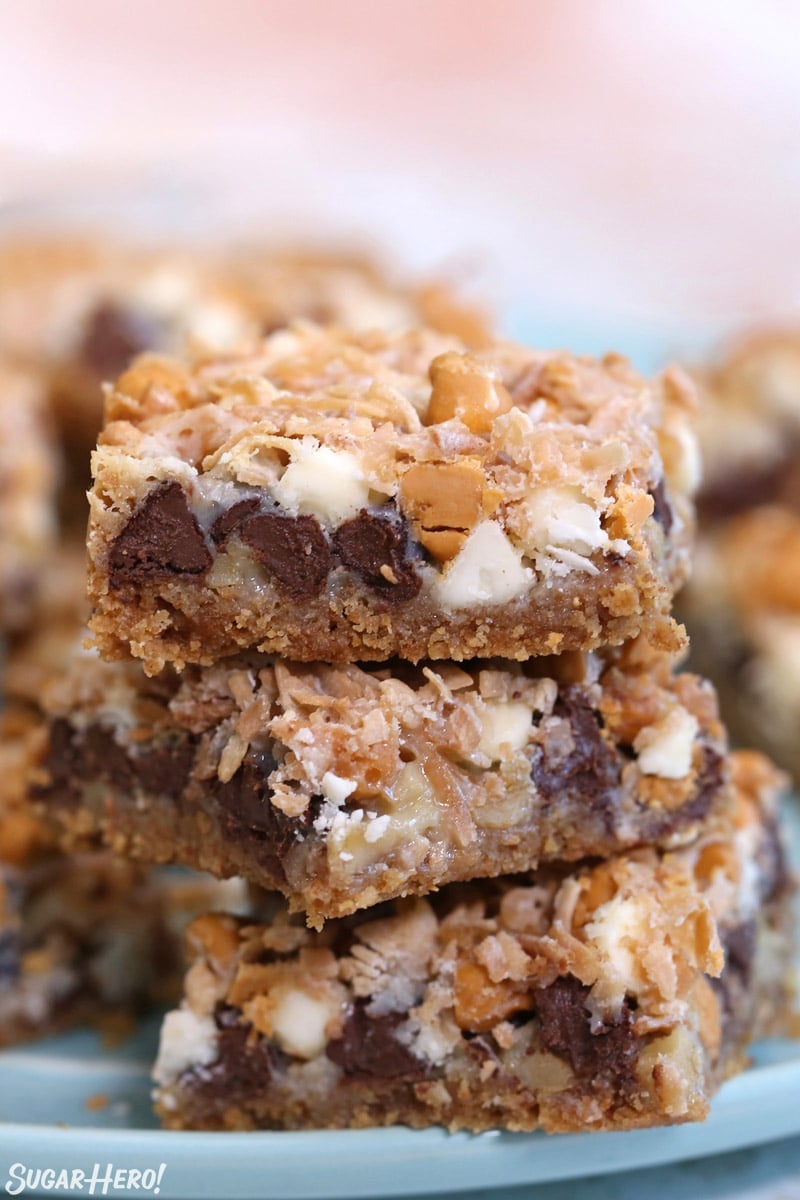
[374, 547]
[601, 997]
[353, 497]
[161, 540]
[292, 549]
[343, 786]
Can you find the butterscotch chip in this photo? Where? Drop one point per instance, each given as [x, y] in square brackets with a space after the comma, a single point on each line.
[216, 935]
[445, 502]
[465, 388]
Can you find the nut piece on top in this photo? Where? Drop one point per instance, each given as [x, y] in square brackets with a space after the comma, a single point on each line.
[344, 496]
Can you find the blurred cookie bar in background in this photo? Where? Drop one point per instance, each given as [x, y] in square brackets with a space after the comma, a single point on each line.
[742, 604]
[29, 470]
[76, 309]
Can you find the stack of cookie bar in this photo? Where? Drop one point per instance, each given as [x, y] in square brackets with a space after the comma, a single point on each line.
[403, 619]
[86, 936]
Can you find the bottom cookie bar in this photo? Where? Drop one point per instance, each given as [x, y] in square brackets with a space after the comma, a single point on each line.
[606, 996]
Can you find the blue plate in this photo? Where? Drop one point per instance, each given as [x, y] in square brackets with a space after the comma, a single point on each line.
[48, 1094]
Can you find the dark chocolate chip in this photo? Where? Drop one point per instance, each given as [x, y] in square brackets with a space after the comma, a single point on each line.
[74, 758]
[566, 1030]
[292, 549]
[246, 793]
[162, 539]
[740, 950]
[230, 520]
[113, 335]
[165, 768]
[591, 772]
[739, 944]
[246, 811]
[243, 1067]
[374, 547]
[662, 509]
[710, 780]
[368, 1048]
[61, 764]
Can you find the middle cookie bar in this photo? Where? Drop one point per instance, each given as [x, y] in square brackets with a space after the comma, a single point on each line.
[346, 497]
[342, 786]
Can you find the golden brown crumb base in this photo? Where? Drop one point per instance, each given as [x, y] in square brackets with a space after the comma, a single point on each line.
[186, 623]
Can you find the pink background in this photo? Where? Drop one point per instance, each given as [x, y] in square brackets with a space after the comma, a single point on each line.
[639, 158]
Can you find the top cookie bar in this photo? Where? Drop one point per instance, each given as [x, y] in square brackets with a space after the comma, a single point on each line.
[347, 496]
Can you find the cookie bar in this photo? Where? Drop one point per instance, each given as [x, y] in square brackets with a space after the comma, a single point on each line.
[77, 309]
[742, 605]
[613, 996]
[342, 786]
[28, 477]
[78, 936]
[743, 609]
[346, 497]
[749, 426]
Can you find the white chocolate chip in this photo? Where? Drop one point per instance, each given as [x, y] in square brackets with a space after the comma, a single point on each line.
[487, 570]
[299, 1022]
[617, 929]
[506, 727]
[563, 530]
[336, 789]
[376, 828]
[187, 1040]
[665, 749]
[561, 517]
[686, 462]
[326, 483]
